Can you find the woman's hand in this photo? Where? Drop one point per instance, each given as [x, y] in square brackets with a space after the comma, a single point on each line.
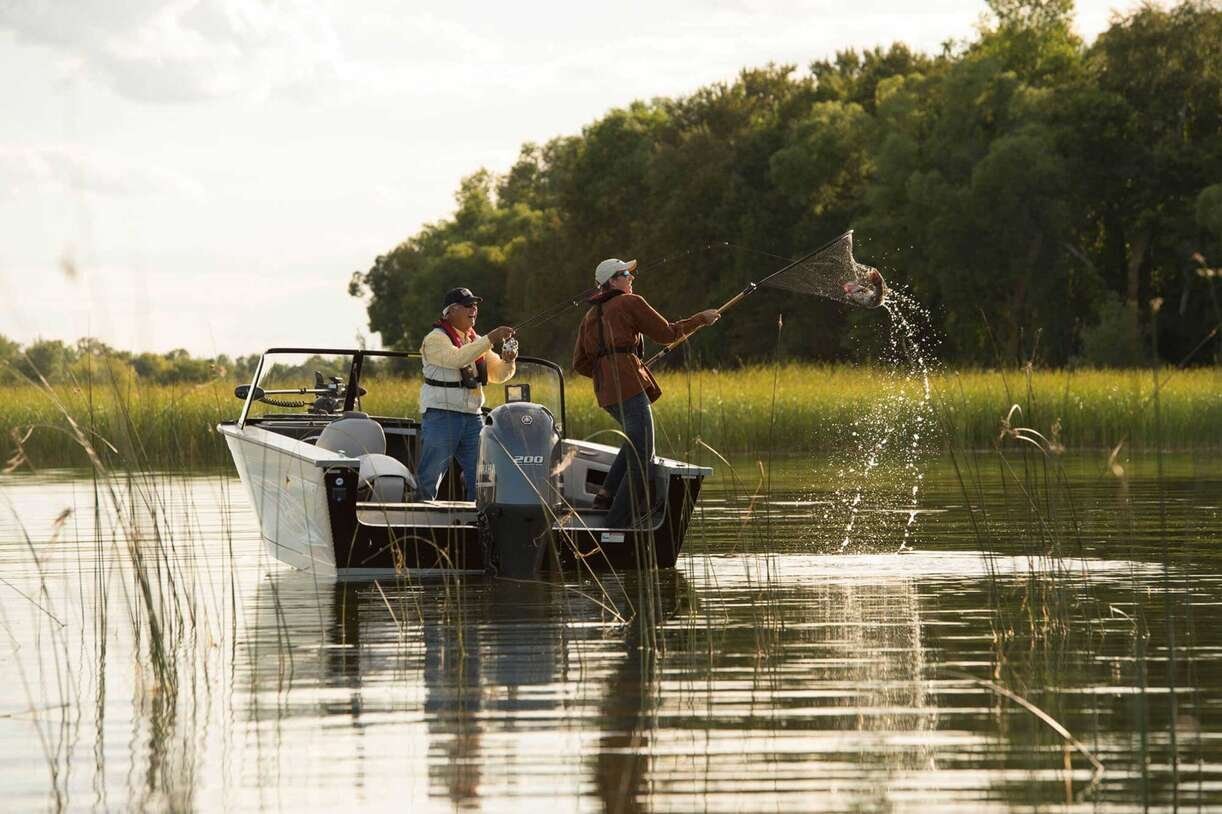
[710, 315]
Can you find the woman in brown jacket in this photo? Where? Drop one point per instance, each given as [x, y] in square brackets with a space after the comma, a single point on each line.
[609, 350]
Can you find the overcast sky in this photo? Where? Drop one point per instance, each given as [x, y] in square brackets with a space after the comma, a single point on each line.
[207, 174]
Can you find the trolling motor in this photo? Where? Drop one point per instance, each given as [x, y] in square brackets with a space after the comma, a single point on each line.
[330, 394]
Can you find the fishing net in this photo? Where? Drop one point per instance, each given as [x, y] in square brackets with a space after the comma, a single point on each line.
[831, 272]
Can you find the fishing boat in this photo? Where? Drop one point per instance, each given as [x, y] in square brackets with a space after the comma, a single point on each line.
[327, 459]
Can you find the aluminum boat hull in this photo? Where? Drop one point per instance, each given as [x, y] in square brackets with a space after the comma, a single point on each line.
[309, 515]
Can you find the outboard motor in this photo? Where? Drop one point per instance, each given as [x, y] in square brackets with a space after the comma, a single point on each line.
[517, 489]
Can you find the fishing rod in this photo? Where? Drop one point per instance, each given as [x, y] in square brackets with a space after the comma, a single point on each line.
[751, 287]
[555, 309]
[576, 301]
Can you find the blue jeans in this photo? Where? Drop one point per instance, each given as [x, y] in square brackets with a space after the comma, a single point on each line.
[635, 459]
[446, 434]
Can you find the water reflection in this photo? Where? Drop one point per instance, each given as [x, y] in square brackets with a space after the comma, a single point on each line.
[759, 676]
[648, 692]
[501, 678]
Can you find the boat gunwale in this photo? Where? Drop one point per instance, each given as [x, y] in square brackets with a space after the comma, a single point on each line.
[289, 446]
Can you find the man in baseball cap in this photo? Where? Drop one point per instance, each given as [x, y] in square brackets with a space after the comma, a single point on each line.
[457, 363]
[459, 296]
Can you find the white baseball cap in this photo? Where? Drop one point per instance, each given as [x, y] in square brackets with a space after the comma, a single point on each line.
[611, 267]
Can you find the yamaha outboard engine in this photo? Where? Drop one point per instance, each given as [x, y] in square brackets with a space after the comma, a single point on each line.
[517, 488]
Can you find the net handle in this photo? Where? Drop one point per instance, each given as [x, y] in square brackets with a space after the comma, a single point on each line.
[728, 304]
[750, 288]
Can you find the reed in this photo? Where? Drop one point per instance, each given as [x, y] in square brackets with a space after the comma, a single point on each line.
[733, 410]
[1056, 620]
[1037, 621]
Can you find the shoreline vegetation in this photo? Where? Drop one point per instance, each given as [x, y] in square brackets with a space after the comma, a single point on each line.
[816, 409]
[1038, 194]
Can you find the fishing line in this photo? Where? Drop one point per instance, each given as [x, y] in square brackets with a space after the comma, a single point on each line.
[553, 310]
[829, 271]
[678, 255]
[556, 309]
[761, 253]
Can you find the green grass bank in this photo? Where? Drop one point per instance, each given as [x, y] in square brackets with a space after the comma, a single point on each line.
[737, 410]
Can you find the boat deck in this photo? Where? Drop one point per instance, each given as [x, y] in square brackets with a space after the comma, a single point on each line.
[461, 513]
[420, 514]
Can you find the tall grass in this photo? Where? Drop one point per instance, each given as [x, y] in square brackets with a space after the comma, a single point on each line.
[1051, 624]
[799, 406]
[732, 410]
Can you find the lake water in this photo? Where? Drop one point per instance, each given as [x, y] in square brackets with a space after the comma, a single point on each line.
[776, 669]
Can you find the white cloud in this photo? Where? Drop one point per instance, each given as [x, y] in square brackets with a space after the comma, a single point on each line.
[183, 50]
[78, 169]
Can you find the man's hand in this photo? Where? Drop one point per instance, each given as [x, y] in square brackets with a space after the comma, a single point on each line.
[710, 315]
[509, 350]
[500, 334]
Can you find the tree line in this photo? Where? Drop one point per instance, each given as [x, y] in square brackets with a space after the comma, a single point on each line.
[1043, 198]
[91, 359]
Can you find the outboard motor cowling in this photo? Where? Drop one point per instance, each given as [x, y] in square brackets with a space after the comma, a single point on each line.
[517, 487]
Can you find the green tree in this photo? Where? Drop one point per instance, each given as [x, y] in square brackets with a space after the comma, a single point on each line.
[1150, 143]
[1011, 182]
[45, 358]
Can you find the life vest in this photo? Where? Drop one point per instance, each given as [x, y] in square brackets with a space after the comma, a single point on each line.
[637, 348]
[471, 376]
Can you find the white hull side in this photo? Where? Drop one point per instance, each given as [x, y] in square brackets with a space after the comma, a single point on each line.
[287, 490]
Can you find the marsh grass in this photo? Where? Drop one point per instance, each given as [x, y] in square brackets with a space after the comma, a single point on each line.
[137, 581]
[781, 408]
[123, 432]
[1051, 625]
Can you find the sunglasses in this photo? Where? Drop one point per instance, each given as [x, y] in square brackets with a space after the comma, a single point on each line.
[627, 274]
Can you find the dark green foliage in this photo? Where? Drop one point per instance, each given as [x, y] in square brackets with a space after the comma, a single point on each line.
[1021, 185]
[1114, 340]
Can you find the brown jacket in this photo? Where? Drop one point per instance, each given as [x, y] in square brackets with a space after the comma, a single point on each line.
[620, 376]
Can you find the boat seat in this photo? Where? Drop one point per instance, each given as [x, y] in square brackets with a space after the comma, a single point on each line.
[384, 479]
[353, 436]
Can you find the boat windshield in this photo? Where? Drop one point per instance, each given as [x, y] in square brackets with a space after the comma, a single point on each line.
[300, 383]
[392, 385]
[534, 380]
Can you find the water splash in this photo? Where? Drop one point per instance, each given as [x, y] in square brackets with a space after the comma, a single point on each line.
[877, 499]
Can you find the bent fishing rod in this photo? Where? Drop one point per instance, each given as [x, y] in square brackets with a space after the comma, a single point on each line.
[751, 287]
[577, 300]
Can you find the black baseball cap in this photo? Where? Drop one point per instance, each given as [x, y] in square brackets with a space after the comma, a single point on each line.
[462, 296]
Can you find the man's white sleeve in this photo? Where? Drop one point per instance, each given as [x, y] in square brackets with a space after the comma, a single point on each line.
[498, 369]
[437, 349]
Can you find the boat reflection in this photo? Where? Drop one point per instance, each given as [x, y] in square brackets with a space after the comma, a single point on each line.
[493, 685]
[472, 689]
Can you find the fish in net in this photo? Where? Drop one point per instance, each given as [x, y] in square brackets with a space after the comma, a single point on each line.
[830, 271]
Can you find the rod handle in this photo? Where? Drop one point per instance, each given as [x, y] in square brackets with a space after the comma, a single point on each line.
[730, 303]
